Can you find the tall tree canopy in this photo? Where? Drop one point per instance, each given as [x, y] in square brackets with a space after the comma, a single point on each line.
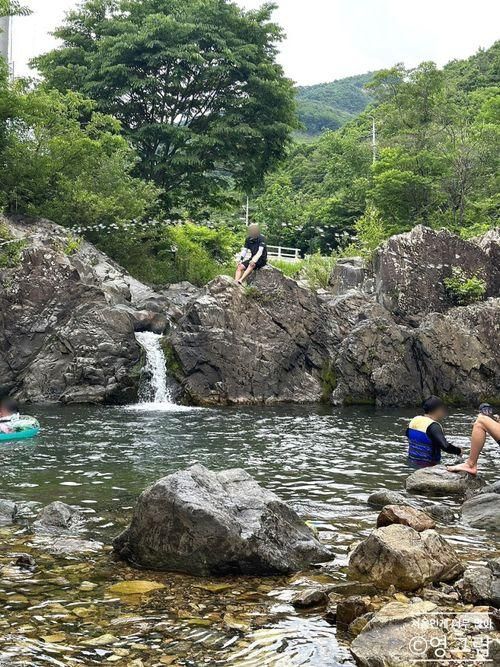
[194, 83]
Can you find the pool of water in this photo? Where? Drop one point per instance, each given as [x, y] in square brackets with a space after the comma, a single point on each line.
[324, 461]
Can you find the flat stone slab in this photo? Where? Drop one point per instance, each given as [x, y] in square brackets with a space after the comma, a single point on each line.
[437, 481]
[406, 516]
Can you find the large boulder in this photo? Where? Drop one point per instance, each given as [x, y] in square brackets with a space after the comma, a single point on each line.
[8, 512]
[410, 270]
[400, 556]
[388, 639]
[264, 343]
[214, 523]
[483, 511]
[67, 317]
[348, 273]
[438, 481]
[59, 518]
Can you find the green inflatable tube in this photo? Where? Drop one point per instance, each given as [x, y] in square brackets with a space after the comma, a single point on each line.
[22, 429]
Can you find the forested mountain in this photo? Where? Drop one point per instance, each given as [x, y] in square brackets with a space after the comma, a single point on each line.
[438, 142]
[328, 106]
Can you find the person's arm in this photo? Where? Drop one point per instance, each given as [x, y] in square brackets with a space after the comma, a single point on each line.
[258, 254]
[436, 435]
[243, 254]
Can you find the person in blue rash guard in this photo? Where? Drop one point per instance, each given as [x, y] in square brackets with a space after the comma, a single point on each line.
[426, 439]
[253, 255]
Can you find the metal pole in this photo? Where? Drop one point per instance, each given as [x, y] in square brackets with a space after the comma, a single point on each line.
[247, 215]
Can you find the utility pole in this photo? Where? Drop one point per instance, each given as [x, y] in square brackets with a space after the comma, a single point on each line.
[247, 212]
[374, 140]
[6, 42]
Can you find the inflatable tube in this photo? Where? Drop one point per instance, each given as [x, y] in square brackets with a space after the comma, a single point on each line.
[22, 428]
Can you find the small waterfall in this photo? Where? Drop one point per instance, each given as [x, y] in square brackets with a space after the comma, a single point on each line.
[154, 389]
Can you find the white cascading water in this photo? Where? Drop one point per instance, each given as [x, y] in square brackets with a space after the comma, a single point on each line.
[156, 390]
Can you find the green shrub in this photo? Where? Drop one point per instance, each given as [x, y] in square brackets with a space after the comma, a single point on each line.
[317, 269]
[465, 290]
[10, 249]
[173, 253]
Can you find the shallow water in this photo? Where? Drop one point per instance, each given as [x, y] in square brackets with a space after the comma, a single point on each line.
[324, 461]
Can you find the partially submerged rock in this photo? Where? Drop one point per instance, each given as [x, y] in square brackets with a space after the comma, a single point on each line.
[437, 481]
[310, 597]
[483, 511]
[8, 512]
[388, 639]
[383, 497]
[351, 608]
[397, 555]
[212, 523]
[407, 516]
[57, 518]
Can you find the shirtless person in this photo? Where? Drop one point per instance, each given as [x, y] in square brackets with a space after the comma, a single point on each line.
[485, 424]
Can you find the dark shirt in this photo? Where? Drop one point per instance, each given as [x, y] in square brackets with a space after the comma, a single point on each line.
[254, 245]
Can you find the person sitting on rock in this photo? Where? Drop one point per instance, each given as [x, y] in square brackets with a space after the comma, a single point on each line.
[8, 411]
[253, 254]
[486, 424]
[425, 434]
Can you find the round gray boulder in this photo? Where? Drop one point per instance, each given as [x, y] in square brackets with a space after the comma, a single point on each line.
[437, 481]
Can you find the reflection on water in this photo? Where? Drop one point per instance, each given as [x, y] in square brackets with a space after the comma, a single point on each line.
[324, 461]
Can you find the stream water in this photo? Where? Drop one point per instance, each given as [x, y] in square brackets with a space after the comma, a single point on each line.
[324, 461]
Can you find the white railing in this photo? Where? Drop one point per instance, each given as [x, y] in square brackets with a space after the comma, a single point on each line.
[285, 254]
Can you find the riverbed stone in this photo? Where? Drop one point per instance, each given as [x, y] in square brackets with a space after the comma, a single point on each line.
[478, 586]
[438, 481]
[440, 513]
[8, 512]
[310, 597]
[57, 517]
[400, 556]
[407, 516]
[215, 523]
[383, 497]
[387, 639]
[483, 511]
[349, 609]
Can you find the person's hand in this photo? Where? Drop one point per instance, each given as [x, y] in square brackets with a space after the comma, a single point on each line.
[253, 264]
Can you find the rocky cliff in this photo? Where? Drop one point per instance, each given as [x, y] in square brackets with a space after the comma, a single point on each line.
[386, 333]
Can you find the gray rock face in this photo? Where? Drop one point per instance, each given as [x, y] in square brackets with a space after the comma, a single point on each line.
[265, 343]
[387, 640]
[349, 273]
[57, 518]
[68, 321]
[410, 270]
[8, 511]
[483, 511]
[398, 555]
[205, 522]
[437, 481]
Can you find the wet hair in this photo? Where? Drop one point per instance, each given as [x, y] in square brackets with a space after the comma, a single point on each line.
[432, 404]
[9, 404]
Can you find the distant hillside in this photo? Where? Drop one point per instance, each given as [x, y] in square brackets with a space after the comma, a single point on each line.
[328, 106]
[479, 71]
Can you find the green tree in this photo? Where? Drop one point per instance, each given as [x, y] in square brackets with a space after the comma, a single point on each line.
[52, 166]
[13, 8]
[194, 83]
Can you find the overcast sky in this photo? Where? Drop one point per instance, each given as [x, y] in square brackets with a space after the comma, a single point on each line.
[330, 39]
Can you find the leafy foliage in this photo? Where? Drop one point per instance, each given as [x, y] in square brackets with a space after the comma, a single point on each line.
[194, 83]
[174, 253]
[465, 290]
[54, 165]
[13, 8]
